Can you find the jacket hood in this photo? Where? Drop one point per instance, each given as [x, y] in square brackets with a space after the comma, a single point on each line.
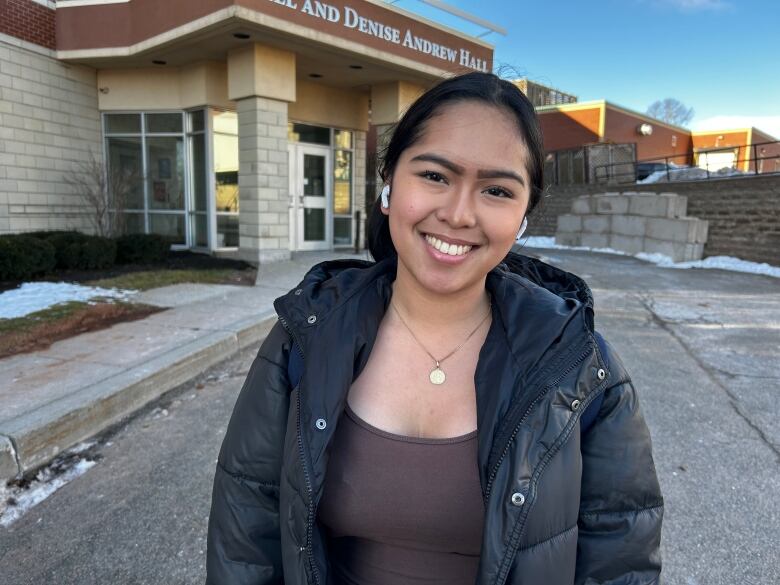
[326, 286]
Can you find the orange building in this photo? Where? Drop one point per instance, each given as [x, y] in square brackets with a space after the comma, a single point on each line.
[585, 141]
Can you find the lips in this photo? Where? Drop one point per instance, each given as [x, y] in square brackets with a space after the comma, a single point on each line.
[451, 249]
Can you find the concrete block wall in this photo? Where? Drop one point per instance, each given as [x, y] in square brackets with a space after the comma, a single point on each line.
[634, 222]
[49, 124]
[743, 213]
[263, 180]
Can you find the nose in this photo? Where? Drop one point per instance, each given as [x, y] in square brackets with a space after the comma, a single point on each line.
[457, 209]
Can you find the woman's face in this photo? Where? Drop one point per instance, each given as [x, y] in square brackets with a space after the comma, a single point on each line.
[458, 197]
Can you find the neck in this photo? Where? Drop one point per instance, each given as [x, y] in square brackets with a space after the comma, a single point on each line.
[438, 311]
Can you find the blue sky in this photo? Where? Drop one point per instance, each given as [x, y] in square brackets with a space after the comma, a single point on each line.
[721, 57]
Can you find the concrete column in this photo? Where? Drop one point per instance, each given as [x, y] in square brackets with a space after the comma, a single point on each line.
[359, 194]
[390, 100]
[261, 80]
[263, 180]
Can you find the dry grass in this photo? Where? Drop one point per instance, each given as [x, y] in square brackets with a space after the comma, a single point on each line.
[149, 279]
[39, 330]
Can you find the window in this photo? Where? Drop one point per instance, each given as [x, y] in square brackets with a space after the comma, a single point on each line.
[184, 167]
[225, 145]
[150, 146]
[307, 133]
[199, 210]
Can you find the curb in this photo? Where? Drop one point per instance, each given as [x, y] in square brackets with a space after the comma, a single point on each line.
[36, 437]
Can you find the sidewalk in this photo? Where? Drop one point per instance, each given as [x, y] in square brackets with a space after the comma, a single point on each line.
[54, 399]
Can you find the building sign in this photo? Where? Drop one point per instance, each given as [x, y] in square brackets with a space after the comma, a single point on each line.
[102, 25]
[350, 18]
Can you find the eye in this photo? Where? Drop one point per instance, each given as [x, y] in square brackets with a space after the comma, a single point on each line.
[433, 176]
[498, 192]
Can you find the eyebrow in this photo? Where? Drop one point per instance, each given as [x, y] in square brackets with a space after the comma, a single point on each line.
[457, 169]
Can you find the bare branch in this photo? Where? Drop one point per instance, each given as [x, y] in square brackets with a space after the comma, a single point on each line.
[671, 111]
[104, 192]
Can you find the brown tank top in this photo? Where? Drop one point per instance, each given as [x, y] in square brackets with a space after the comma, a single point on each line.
[400, 510]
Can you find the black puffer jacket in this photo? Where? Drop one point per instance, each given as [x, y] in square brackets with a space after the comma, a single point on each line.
[560, 508]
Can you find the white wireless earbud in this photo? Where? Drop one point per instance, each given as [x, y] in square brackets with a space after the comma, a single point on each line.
[522, 228]
[385, 196]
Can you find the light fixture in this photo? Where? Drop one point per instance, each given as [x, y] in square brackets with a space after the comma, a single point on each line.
[103, 90]
[644, 129]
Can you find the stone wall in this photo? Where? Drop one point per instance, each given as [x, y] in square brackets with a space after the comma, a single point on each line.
[49, 124]
[743, 213]
[633, 222]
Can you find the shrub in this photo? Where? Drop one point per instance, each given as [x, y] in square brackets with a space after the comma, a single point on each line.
[22, 256]
[142, 249]
[77, 251]
[90, 253]
[61, 241]
[46, 234]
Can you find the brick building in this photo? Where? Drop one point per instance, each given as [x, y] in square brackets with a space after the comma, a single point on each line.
[586, 140]
[246, 123]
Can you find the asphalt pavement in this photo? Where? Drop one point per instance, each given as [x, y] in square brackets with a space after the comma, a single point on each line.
[703, 349]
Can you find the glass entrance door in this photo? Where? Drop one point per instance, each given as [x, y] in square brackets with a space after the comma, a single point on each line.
[311, 193]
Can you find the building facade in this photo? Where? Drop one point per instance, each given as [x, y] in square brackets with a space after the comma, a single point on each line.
[240, 126]
[586, 141]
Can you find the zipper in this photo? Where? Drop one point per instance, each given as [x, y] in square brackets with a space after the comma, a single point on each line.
[518, 530]
[526, 412]
[302, 454]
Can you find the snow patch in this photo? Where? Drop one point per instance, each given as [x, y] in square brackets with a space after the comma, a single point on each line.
[547, 242]
[712, 262]
[678, 173]
[717, 262]
[36, 296]
[15, 503]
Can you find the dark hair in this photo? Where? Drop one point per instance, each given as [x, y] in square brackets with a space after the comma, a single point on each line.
[481, 87]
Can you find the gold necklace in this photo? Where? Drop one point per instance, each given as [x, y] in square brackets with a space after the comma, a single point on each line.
[437, 375]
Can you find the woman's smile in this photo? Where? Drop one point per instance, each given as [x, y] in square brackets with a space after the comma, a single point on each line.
[447, 250]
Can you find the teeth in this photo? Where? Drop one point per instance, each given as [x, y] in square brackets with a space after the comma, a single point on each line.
[446, 248]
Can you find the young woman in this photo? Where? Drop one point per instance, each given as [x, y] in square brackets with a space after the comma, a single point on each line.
[446, 414]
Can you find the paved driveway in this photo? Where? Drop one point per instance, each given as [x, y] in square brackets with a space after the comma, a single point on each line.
[703, 348]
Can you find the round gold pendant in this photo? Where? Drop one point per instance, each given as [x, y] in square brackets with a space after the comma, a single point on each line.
[437, 376]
